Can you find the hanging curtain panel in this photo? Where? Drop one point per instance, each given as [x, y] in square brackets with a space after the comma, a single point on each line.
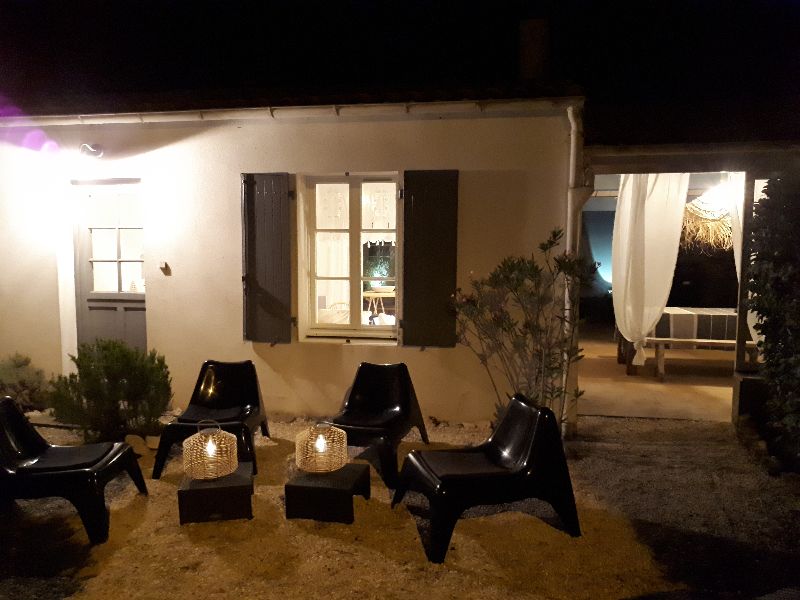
[647, 233]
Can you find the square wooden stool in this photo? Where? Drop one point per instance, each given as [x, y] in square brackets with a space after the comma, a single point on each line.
[327, 496]
[219, 499]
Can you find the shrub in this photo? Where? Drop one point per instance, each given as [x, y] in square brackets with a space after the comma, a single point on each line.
[519, 321]
[117, 390]
[23, 382]
[775, 296]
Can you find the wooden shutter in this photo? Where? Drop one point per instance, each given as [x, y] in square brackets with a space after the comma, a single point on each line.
[430, 219]
[266, 261]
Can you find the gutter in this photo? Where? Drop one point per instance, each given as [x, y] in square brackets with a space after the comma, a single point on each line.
[578, 193]
[407, 110]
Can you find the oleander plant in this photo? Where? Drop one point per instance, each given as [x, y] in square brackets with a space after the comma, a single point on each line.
[520, 322]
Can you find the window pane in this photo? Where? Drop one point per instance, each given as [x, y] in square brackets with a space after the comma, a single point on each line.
[130, 244]
[104, 243]
[132, 278]
[332, 254]
[378, 303]
[378, 258]
[333, 205]
[333, 302]
[379, 205]
[104, 276]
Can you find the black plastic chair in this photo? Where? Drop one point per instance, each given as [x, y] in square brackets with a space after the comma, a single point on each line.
[32, 468]
[523, 458]
[225, 392]
[379, 411]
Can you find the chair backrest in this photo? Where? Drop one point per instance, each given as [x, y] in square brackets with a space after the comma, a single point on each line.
[512, 442]
[19, 440]
[377, 388]
[227, 385]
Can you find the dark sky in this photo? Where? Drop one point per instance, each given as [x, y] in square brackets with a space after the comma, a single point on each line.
[732, 65]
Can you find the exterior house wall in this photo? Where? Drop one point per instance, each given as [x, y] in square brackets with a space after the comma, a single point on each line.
[513, 178]
[29, 315]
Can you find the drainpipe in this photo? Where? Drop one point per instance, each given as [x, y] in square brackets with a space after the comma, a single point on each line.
[578, 194]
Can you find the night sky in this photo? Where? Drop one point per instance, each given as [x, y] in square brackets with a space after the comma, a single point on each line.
[729, 69]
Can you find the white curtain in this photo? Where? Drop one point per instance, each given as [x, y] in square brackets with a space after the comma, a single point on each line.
[644, 250]
[735, 190]
[735, 186]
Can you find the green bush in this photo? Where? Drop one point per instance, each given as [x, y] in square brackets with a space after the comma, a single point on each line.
[519, 321]
[117, 390]
[775, 296]
[23, 382]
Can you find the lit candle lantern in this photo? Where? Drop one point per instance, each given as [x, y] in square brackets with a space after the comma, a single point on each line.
[321, 449]
[210, 453]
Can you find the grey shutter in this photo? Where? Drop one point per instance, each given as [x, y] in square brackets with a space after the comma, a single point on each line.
[430, 223]
[266, 261]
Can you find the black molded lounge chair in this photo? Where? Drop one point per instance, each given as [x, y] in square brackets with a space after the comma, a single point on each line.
[32, 468]
[523, 458]
[225, 392]
[379, 411]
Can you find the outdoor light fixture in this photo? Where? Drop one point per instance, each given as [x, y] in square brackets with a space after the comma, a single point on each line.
[707, 219]
[321, 448]
[93, 150]
[210, 453]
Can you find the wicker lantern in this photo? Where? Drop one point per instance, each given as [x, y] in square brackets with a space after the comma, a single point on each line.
[209, 453]
[321, 448]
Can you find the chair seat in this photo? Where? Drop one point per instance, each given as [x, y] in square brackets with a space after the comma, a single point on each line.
[196, 412]
[366, 421]
[67, 458]
[455, 465]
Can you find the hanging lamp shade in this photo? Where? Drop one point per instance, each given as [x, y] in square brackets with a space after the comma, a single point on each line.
[707, 220]
[210, 453]
[321, 448]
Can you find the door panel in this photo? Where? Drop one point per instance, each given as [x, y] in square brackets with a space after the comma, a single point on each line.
[112, 211]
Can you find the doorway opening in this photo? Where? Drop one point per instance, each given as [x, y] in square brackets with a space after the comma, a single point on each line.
[692, 380]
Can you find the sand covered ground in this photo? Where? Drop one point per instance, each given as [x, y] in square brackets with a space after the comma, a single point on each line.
[669, 509]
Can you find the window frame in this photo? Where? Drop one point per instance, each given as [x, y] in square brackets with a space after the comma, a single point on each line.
[309, 329]
[118, 261]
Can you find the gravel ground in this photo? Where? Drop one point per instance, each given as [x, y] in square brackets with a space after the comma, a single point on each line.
[669, 509]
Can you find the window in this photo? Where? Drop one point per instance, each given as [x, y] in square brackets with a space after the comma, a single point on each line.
[116, 259]
[359, 253]
[353, 245]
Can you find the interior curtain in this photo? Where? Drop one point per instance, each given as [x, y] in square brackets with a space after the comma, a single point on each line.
[644, 250]
[735, 185]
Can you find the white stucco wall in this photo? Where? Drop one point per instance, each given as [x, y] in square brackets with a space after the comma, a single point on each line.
[512, 192]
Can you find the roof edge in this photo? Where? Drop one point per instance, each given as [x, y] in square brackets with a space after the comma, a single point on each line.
[355, 112]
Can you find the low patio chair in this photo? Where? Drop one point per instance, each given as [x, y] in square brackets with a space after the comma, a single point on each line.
[32, 468]
[380, 409]
[523, 458]
[227, 393]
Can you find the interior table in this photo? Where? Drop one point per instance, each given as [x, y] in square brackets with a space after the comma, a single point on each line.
[327, 496]
[375, 300]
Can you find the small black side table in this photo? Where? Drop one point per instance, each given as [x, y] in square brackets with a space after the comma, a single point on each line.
[217, 499]
[327, 496]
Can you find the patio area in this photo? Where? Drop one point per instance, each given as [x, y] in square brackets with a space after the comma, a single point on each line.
[668, 508]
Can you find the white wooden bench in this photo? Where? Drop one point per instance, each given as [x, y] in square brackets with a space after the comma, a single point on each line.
[660, 343]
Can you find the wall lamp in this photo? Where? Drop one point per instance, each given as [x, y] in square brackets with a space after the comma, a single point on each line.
[93, 150]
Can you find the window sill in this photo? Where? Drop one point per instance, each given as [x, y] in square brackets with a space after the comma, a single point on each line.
[354, 340]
